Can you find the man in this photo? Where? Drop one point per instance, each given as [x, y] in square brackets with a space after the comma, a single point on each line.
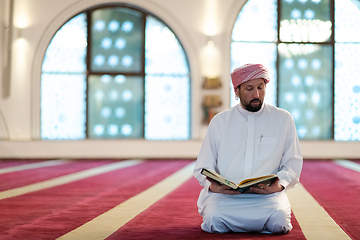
[248, 140]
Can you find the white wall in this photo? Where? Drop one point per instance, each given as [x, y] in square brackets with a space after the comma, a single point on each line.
[151, 149]
[193, 21]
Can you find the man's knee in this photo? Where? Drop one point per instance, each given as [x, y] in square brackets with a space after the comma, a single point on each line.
[279, 221]
[213, 221]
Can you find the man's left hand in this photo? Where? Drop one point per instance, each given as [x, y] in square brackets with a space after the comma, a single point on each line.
[264, 189]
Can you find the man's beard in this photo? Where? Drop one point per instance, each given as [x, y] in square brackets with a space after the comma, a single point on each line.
[250, 108]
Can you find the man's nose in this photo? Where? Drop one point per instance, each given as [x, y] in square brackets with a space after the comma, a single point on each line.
[256, 94]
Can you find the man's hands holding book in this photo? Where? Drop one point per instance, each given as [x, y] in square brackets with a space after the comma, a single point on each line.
[261, 189]
[265, 189]
[218, 188]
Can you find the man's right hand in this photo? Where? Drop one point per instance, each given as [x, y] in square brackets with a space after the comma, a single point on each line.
[218, 188]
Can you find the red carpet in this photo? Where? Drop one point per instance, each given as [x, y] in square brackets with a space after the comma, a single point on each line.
[4, 163]
[26, 177]
[50, 213]
[337, 189]
[176, 217]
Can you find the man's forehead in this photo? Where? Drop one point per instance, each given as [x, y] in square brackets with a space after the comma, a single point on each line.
[254, 82]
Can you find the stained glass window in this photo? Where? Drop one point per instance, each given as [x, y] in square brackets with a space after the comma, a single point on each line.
[66, 52]
[347, 21]
[305, 87]
[165, 108]
[128, 79]
[260, 15]
[305, 21]
[347, 92]
[115, 107]
[167, 74]
[117, 40]
[164, 54]
[347, 80]
[63, 106]
[324, 99]
[63, 83]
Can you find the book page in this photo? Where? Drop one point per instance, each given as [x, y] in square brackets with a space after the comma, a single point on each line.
[256, 179]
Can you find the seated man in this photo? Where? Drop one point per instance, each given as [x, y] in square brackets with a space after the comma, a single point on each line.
[248, 140]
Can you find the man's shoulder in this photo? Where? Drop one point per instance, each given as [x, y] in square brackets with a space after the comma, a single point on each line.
[225, 114]
[276, 110]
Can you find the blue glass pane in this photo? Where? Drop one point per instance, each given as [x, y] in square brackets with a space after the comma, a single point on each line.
[63, 106]
[115, 107]
[305, 21]
[264, 53]
[347, 21]
[167, 108]
[305, 88]
[163, 52]
[66, 52]
[257, 21]
[117, 40]
[347, 92]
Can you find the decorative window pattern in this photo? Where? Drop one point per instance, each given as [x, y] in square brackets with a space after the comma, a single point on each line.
[115, 106]
[165, 108]
[347, 80]
[305, 89]
[163, 52]
[129, 78]
[63, 106]
[117, 40]
[323, 98]
[63, 83]
[167, 75]
[305, 21]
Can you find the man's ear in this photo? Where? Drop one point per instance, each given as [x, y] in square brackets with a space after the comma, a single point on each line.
[237, 91]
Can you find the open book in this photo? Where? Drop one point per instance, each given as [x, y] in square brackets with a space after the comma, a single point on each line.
[244, 185]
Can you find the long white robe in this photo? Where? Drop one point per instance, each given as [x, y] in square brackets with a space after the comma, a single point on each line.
[240, 144]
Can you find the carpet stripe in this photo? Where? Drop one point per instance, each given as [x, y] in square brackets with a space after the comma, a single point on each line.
[67, 179]
[313, 219]
[176, 217]
[4, 163]
[109, 222]
[33, 166]
[336, 189]
[18, 179]
[58, 210]
[348, 164]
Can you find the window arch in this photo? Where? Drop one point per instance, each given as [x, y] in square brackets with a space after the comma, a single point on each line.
[115, 72]
[311, 48]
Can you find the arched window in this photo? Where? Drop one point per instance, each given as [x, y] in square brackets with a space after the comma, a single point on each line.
[115, 72]
[311, 48]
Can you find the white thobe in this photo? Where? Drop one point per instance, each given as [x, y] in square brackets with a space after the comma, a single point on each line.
[240, 144]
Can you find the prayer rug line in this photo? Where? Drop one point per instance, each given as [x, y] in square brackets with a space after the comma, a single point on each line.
[34, 165]
[67, 178]
[348, 164]
[106, 224]
[314, 221]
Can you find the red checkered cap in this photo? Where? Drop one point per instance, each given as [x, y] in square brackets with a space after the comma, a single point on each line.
[249, 72]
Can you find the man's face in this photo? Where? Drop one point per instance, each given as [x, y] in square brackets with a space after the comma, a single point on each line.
[252, 94]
